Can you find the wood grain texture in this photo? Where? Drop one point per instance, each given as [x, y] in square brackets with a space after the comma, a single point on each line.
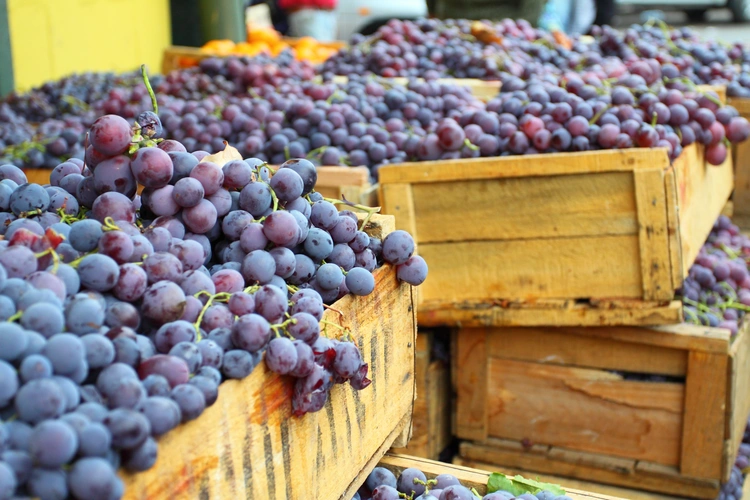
[548, 313]
[400, 201]
[431, 421]
[656, 267]
[604, 266]
[563, 347]
[741, 158]
[247, 445]
[702, 192]
[703, 426]
[584, 409]
[471, 384]
[637, 475]
[554, 206]
[673, 229]
[471, 478]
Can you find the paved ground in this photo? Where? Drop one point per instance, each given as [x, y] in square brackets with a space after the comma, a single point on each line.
[718, 25]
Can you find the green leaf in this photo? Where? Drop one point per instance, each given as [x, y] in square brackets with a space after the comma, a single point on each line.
[518, 485]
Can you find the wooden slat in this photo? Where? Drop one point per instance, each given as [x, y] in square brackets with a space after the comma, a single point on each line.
[247, 445]
[567, 313]
[702, 192]
[703, 426]
[561, 347]
[584, 409]
[738, 396]
[656, 268]
[673, 230]
[567, 482]
[623, 160]
[643, 478]
[604, 266]
[471, 384]
[741, 156]
[555, 206]
[471, 478]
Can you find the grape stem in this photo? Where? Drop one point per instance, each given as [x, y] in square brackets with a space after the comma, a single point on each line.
[76, 262]
[15, 317]
[370, 210]
[469, 145]
[55, 258]
[693, 317]
[218, 296]
[697, 305]
[151, 94]
[109, 225]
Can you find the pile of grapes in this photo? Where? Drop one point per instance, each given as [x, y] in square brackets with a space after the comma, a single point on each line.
[717, 289]
[382, 484]
[123, 313]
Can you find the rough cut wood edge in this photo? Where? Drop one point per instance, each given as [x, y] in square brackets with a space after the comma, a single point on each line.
[738, 397]
[549, 313]
[623, 160]
[589, 467]
[247, 445]
[471, 478]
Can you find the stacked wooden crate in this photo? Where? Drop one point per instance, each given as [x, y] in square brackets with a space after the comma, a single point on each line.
[741, 157]
[554, 270]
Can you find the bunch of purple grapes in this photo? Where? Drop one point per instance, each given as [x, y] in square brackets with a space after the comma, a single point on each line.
[717, 289]
[124, 313]
[382, 484]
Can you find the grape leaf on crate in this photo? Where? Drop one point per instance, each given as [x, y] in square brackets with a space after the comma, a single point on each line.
[518, 485]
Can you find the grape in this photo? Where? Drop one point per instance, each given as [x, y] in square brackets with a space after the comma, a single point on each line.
[14, 341]
[115, 205]
[238, 364]
[255, 198]
[360, 281]
[141, 458]
[209, 175]
[258, 266]
[287, 184]
[163, 302]
[152, 167]
[129, 428]
[98, 272]
[174, 369]
[188, 192]
[110, 135]
[281, 355]
[53, 444]
[318, 244]
[34, 367]
[253, 238]
[94, 440]
[250, 332]
[92, 478]
[190, 400]
[398, 246]
[306, 170]
[162, 413]
[48, 484]
[85, 235]
[208, 387]
[114, 174]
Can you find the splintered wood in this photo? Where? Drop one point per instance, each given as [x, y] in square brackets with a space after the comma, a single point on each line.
[248, 445]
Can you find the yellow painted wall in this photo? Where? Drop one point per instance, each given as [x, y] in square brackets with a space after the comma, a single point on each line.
[54, 38]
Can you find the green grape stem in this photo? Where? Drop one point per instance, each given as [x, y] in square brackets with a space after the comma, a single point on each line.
[151, 94]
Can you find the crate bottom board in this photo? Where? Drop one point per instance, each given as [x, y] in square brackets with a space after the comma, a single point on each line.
[561, 312]
[469, 477]
[542, 459]
[566, 482]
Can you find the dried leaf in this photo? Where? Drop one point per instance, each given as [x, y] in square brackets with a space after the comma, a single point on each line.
[223, 157]
[484, 33]
[562, 39]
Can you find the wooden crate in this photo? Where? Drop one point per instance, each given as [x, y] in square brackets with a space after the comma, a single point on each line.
[741, 157]
[431, 421]
[247, 445]
[37, 175]
[471, 478]
[547, 400]
[591, 238]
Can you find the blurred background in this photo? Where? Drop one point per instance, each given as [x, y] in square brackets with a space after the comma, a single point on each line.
[42, 40]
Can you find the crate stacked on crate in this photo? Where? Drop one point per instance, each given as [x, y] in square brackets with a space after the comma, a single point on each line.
[550, 267]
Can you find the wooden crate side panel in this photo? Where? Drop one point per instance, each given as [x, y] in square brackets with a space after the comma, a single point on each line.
[420, 423]
[702, 192]
[590, 467]
[249, 446]
[741, 198]
[554, 206]
[563, 347]
[471, 478]
[398, 200]
[605, 266]
[673, 230]
[585, 410]
[738, 397]
[568, 313]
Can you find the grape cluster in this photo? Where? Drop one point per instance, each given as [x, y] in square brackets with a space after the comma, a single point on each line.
[382, 484]
[123, 313]
[717, 289]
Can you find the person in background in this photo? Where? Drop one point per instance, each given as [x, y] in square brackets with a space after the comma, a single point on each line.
[313, 18]
[492, 10]
[572, 17]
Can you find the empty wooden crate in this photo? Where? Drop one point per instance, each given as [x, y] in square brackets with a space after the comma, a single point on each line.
[661, 409]
[590, 238]
[248, 445]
